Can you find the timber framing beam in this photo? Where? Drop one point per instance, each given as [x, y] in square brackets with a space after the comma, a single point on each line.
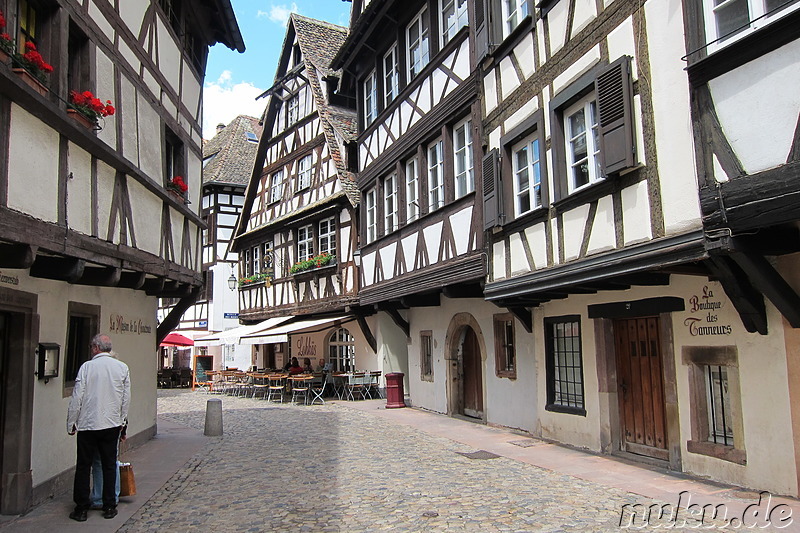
[172, 320]
[100, 276]
[421, 300]
[749, 303]
[464, 290]
[524, 316]
[401, 322]
[766, 279]
[362, 324]
[67, 269]
[17, 255]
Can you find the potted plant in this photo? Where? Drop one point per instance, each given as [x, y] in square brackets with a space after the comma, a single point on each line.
[178, 187]
[255, 278]
[6, 43]
[87, 109]
[318, 261]
[33, 68]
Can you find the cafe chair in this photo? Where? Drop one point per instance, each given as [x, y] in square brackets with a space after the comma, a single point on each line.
[300, 388]
[356, 385]
[318, 384]
[374, 384]
[260, 385]
[276, 387]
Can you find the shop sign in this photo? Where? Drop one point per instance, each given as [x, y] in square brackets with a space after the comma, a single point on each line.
[706, 308]
[230, 315]
[306, 347]
[120, 324]
[8, 279]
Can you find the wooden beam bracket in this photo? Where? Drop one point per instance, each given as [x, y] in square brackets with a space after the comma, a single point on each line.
[524, 315]
[401, 322]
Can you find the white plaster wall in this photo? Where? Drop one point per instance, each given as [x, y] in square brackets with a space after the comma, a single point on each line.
[764, 389]
[673, 129]
[537, 239]
[32, 159]
[132, 14]
[577, 69]
[129, 55]
[169, 56]
[636, 213]
[519, 261]
[53, 451]
[191, 91]
[498, 260]
[585, 12]
[753, 99]
[524, 111]
[621, 43]
[146, 209]
[79, 190]
[524, 51]
[105, 193]
[574, 224]
[557, 26]
[101, 21]
[603, 236]
[508, 77]
[150, 145]
[130, 128]
[105, 91]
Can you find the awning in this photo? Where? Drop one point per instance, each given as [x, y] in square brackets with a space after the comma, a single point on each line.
[176, 339]
[281, 332]
[234, 336]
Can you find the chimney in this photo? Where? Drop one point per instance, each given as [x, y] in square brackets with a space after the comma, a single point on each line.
[220, 127]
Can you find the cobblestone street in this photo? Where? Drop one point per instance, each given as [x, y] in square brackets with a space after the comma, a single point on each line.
[334, 468]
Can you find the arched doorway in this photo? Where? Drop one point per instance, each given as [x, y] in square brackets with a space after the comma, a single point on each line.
[466, 353]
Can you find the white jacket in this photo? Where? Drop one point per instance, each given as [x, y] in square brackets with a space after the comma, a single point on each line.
[101, 395]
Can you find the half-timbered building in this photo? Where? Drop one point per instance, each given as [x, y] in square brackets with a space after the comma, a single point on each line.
[227, 164]
[90, 234]
[410, 66]
[297, 234]
[644, 331]
[743, 61]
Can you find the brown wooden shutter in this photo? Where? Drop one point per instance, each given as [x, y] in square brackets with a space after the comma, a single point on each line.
[481, 30]
[492, 193]
[614, 90]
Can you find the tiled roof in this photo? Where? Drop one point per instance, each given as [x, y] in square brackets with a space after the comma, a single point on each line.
[319, 41]
[232, 154]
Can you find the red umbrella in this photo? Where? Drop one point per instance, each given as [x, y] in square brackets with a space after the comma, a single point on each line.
[176, 339]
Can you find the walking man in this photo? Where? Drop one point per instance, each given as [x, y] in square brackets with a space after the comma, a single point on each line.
[98, 410]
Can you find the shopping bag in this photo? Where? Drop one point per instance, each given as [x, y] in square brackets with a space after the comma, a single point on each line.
[127, 482]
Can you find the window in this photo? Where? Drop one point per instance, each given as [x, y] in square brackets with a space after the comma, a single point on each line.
[715, 400]
[251, 137]
[391, 76]
[390, 204]
[304, 173]
[305, 243]
[173, 156]
[412, 194]
[436, 175]
[78, 68]
[564, 365]
[727, 20]
[256, 260]
[453, 18]
[83, 321]
[327, 236]
[462, 148]
[276, 187]
[582, 144]
[28, 20]
[417, 44]
[292, 110]
[372, 220]
[341, 351]
[504, 349]
[172, 9]
[527, 170]
[370, 99]
[426, 355]
[513, 13]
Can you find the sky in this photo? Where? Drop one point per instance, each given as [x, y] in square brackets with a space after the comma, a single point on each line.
[234, 80]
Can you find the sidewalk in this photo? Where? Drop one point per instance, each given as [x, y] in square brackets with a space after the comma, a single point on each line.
[154, 463]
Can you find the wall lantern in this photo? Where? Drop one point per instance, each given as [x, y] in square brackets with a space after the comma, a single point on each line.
[357, 258]
[48, 353]
[232, 282]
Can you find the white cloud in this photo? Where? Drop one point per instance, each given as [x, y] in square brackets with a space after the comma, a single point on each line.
[223, 101]
[278, 13]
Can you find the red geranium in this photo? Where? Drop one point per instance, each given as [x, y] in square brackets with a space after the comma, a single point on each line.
[34, 62]
[178, 184]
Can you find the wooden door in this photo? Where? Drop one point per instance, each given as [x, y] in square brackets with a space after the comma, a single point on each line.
[641, 387]
[473, 375]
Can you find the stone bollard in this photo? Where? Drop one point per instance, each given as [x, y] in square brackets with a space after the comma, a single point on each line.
[213, 418]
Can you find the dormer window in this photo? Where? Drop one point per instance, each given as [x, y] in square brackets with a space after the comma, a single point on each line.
[297, 55]
[251, 137]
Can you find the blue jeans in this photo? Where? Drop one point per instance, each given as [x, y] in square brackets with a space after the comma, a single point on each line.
[97, 482]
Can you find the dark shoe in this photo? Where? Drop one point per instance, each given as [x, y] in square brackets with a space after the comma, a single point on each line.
[109, 513]
[78, 514]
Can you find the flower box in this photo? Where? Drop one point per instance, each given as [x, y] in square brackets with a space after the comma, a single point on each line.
[178, 195]
[5, 59]
[32, 82]
[315, 272]
[81, 119]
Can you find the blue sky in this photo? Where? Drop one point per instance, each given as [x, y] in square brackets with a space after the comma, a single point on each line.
[233, 80]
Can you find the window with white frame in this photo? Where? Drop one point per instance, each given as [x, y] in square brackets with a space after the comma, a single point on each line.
[391, 75]
[327, 236]
[526, 165]
[453, 17]
[256, 256]
[292, 110]
[435, 175]
[342, 351]
[305, 242]
[370, 99]
[304, 173]
[417, 47]
[462, 150]
[727, 20]
[412, 191]
[390, 203]
[276, 187]
[513, 13]
[582, 144]
[371, 219]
